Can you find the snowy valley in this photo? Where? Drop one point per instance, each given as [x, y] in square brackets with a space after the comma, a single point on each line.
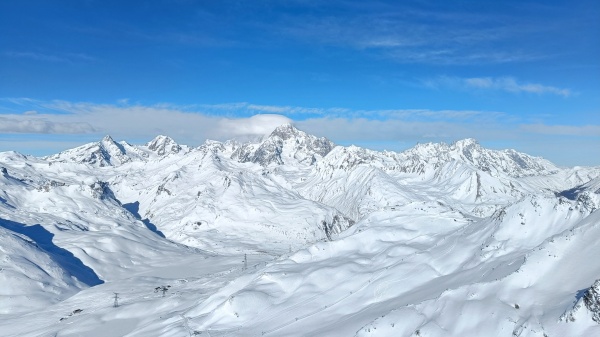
[292, 235]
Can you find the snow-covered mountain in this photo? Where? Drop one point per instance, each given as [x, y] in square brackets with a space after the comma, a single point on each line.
[284, 145]
[107, 152]
[291, 235]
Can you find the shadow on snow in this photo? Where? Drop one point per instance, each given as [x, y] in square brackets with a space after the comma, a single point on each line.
[134, 209]
[570, 194]
[580, 294]
[64, 258]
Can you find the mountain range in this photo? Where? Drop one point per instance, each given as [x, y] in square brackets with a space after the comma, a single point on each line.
[292, 235]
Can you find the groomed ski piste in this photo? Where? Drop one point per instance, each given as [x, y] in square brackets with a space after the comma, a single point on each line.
[292, 235]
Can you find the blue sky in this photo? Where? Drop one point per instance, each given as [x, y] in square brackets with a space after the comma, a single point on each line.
[380, 74]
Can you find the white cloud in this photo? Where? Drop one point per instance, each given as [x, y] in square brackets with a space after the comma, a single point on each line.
[35, 56]
[563, 130]
[24, 124]
[135, 122]
[268, 108]
[257, 125]
[508, 84]
[225, 106]
[194, 124]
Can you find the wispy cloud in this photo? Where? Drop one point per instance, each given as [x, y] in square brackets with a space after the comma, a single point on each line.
[421, 33]
[197, 39]
[46, 57]
[508, 84]
[301, 113]
[251, 109]
[29, 124]
[562, 130]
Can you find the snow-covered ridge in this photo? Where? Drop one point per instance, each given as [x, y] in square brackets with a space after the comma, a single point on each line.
[352, 180]
[469, 151]
[108, 152]
[287, 143]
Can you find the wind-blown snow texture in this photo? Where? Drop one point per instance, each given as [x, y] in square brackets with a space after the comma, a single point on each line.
[294, 236]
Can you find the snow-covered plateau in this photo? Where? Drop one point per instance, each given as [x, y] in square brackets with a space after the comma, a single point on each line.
[292, 235]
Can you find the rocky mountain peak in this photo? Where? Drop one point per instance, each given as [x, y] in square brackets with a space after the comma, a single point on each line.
[591, 299]
[111, 146]
[107, 139]
[105, 152]
[163, 145]
[286, 141]
[287, 131]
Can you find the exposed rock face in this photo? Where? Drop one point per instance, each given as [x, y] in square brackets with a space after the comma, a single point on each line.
[101, 190]
[591, 299]
[163, 145]
[337, 225]
[284, 142]
[106, 152]
[469, 151]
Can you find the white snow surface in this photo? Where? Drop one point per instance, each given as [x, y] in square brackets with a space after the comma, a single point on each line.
[291, 235]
